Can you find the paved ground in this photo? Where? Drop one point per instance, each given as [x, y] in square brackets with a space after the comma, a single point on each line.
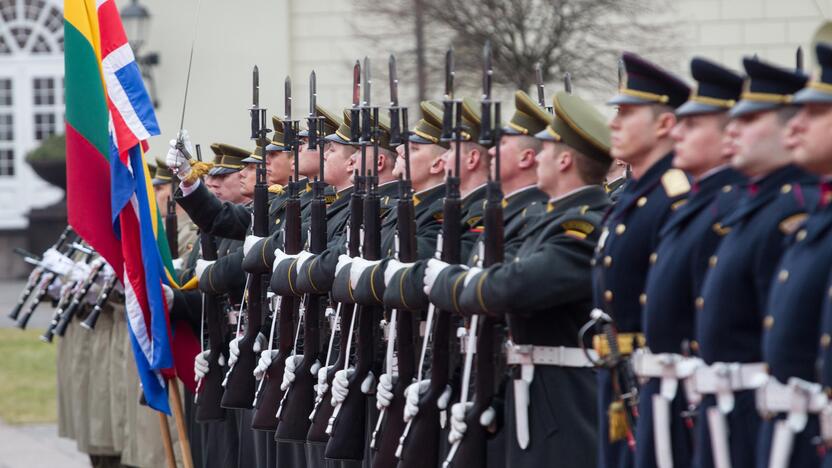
[35, 445]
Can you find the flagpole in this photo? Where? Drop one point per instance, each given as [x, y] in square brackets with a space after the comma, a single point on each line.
[176, 406]
[166, 442]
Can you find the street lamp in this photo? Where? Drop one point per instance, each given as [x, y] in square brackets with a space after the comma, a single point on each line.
[136, 20]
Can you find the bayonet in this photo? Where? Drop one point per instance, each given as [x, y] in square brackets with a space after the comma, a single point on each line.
[622, 73]
[394, 82]
[367, 83]
[448, 101]
[355, 122]
[395, 110]
[799, 59]
[287, 99]
[485, 114]
[541, 96]
[312, 124]
[449, 74]
[567, 82]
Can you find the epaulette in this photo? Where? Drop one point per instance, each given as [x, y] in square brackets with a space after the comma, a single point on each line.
[330, 199]
[675, 183]
[790, 224]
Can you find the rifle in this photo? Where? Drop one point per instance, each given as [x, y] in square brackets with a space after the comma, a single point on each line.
[208, 395]
[68, 235]
[400, 321]
[299, 398]
[320, 427]
[62, 319]
[106, 290]
[471, 449]
[45, 284]
[419, 443]
[346, 441]
[541, 94]
[240, 382]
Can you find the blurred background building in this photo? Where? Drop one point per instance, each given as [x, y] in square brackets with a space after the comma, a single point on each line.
[291, 37]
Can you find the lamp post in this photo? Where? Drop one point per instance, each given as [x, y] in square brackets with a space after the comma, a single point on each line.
[136, 20]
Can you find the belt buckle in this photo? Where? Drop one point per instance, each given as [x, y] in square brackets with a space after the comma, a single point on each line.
[524, 353]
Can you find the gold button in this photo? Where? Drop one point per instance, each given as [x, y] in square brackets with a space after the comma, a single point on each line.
[277, 221]
[783, 276]
[653, 257]
[189, 246]
[641, 202]
[608, 295]
[700, 302]
[768, 322]
[727, 188]
[620, 229]
[607, 261]
[712, 261]
[825, 340]
[786, 188]
[694, 346]
[801, 234]
[642, 299]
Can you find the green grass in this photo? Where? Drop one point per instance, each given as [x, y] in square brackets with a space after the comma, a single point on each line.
[27, 378]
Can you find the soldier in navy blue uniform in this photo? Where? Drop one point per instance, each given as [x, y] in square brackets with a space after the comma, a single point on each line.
[640, 137]
[792, 335]
[733, 303]
[678, 265]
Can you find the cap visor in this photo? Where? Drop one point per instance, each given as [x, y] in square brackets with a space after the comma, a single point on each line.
[333, 137]
[251, 159]
[419, 140]
[218, 171]
[750, 107]
[697, 108]
[507, 130]
[544, 135]
[809, 95]
[159, 182]
[620, 99]
[273, 147]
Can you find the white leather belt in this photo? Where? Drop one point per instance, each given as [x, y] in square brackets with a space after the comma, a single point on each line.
[548, 356]
[721, 378]
[797, 399]
[670, 368]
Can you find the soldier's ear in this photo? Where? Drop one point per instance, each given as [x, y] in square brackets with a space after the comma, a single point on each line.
[565, 160]
[526, 159]
[664, 124]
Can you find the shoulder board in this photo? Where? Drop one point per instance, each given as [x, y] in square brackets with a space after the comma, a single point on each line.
[439, 215]
[675, 183]
[473, 220]
[720, 229]
[330, 199]
[790, 224]
[276, 188]
[579, 228]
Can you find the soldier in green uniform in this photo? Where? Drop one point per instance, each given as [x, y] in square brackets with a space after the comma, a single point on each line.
[546, 295]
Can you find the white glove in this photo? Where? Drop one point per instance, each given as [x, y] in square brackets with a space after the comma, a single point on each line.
[249, 243]
[234, 347]
[178, 263]
[458, 424]
[413, 393]
[168, 292]
[279, 256]
[357, 268]
[201, 364]
[177, 162]
[392, 267]
[57, 262]
[368, 383]
[472, 272]
[340, 386]
[80, 271]
[432, 271]
[303, 256]
[322, 386]
[292, 363]
[384, 391]
[55, 289]
[343, 261]
[201, 266]
[266, 358]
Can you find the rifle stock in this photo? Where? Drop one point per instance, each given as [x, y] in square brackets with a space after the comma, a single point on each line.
[208, 399]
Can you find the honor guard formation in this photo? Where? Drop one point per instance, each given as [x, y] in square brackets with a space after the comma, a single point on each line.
[458, 286]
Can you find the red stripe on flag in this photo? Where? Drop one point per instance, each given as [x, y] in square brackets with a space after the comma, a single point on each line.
[88, 198]
[132, 251]
[112, 32]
